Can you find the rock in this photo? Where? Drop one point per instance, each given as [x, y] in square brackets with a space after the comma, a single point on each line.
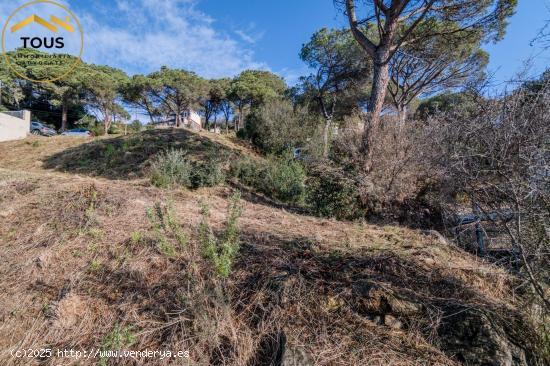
[296, 356]
[273, 350]
[472, 338]
[392, 322]
[334, 303]
[376, 299]
[437, 235]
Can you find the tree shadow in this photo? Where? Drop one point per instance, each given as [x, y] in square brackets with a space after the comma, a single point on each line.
[128, 157]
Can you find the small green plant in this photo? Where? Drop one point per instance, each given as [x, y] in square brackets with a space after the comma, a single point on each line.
[171, 168]
[136, 237]
[90, 194]
[117, 339]
[95, 233]
[110, 151]
[221, 252]
[165, 226]
[95, 265]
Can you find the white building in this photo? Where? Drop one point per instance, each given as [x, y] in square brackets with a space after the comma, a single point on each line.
[189, 119]
[14, 125]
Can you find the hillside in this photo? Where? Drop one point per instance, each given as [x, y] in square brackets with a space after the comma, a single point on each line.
[86, 266]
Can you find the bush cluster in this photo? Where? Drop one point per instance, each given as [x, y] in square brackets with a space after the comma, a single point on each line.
[331, 193]
[281, 178]
[173, 168]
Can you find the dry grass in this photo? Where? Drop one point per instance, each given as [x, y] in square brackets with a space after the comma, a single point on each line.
[81, 261]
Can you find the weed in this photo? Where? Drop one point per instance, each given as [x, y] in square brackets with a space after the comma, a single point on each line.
[221, 252]
[117, 339]
[95, 233]
[165, 225]
[136, 237]
[109, 152]
[91, 196]
[95, 265]
[171, 168]
[166, 248]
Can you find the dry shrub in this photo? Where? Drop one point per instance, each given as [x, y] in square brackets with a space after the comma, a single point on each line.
[401, 168]
[498, 160]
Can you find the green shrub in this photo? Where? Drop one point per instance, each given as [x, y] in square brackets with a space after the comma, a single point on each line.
[135, 126]
[280, 178]
[116, 129]
[97, 129]
[118, 338]
[221, 251]
[331, 193]
[171, 168]
[284, 179]
[248, 171]
[277, 125]
[166, 228]
[109, 151]
[209, 174]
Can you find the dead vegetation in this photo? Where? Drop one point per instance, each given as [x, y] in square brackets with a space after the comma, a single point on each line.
[86, 266]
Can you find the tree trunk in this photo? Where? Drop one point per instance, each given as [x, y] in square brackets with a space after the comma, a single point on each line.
[207, 122]
[402, 114]
[376, 103]
[240, 119]
[106, 124]
[326, 132]
[64, 116]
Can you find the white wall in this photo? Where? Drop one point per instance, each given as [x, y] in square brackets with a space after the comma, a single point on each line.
[13, 128]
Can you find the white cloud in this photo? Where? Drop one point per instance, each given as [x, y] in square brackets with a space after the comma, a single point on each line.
[140, 36]
[250, 34]
[144, 35]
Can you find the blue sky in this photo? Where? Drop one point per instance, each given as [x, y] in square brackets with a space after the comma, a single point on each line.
[218, 38]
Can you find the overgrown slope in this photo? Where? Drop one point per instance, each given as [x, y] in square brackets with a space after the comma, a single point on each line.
[85, 266]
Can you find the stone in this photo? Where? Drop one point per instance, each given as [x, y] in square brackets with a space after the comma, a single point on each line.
[392, 322]
[296, 356]
[374, 298]
[473, 339]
